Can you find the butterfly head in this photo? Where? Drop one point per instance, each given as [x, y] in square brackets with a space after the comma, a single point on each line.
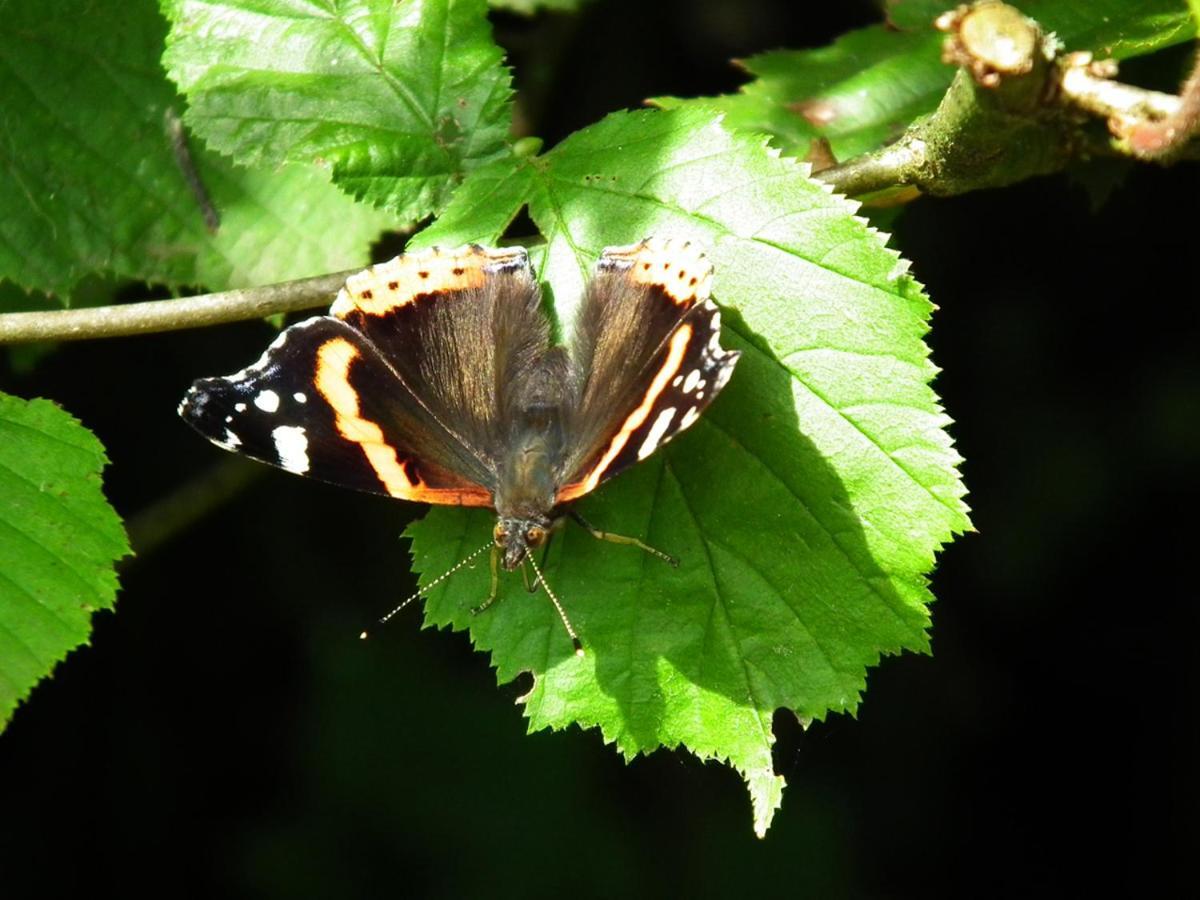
[516, 536]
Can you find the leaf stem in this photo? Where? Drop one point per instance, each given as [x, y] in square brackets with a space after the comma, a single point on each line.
[154, 316]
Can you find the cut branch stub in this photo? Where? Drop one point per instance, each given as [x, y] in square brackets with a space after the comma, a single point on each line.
[998, 45]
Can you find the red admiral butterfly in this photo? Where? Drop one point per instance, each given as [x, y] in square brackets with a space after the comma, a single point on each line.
[434, 378]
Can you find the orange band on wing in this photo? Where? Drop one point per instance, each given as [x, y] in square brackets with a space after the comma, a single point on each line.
[670, 367]
[334, 359]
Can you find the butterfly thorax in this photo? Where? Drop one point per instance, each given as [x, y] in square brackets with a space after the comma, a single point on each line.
[528, 480]
[524, 497]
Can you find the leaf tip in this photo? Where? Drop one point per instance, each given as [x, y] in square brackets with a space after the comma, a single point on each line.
[766, 796]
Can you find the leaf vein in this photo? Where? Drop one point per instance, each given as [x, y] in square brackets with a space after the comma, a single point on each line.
[398, 88]
[719, 599]
[868, 578]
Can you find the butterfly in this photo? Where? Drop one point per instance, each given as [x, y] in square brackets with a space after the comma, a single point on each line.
[434, 378]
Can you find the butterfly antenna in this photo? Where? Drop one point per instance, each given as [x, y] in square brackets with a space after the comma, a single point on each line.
[532, 588]
[420, 591]
[561, 612]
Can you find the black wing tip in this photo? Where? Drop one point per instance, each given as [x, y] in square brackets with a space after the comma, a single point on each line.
[206, 408]
[191, 407]
[200, 398]
[725, 366]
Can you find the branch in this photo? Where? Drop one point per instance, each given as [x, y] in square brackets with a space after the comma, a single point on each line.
[887, 167]
[1088, 86]
[178, 511]
[171, 315]
[1147, 124]
[1015, 110]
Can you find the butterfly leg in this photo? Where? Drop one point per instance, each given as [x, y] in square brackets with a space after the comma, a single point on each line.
[476, 610]
[621, 539]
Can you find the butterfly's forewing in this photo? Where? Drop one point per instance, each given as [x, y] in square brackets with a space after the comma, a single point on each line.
[396, 390]
[321, 402]
[647, 350]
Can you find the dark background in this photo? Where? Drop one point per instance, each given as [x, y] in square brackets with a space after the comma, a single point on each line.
[227, 734]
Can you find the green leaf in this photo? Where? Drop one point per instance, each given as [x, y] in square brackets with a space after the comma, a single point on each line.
[806, 505]
[59, 539]
[102, 190]
[400, 99]
[862, 90]
[859, 93]
[1114, 28]
[484, 207]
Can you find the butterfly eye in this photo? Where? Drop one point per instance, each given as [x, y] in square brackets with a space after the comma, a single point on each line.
[500, 534]
[535, 535]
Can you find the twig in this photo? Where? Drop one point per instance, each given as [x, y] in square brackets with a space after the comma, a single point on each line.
[1089, 86]
[154, 316]
[173, 514]
[895, 164]
[1148, 124]
[1014, 111]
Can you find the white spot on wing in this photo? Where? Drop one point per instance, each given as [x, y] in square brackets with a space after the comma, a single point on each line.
[688, 418]
[714, 342]
[693, 379]
[239, 407]
[300, 397]
[291, 444]
[267, 401]
[723, 374]
[231, 440]
[676, 381]
[657, 430]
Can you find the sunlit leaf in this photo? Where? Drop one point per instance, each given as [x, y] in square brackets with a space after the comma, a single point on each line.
[400, 99]
[806, 505]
